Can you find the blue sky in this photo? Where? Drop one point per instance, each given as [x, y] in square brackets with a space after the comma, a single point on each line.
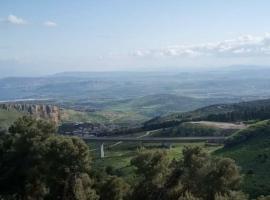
[41, 37]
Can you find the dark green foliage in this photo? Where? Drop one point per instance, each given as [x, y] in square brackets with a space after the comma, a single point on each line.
[203, 176]
[37, 164]
[263, 198]
[196, 176]
[153, 167]
[189, 129]
[115, 188]
[244, 111]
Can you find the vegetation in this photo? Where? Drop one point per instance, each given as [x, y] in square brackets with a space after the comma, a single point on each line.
[197, 175]
[7, 117]
[160, 104]
[103, 117]
[259, 129]
[114, 188]
[250, 149]
[236, 112]
[190, 129]
[36, 163]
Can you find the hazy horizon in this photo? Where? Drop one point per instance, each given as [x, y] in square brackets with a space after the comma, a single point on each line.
[171, 70]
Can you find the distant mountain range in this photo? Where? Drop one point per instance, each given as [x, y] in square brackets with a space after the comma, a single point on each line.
[134, 97]
[236, 84]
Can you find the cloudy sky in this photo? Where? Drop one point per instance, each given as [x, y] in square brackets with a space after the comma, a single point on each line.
[43, 37]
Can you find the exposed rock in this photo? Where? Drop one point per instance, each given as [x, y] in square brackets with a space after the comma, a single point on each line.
[40, 111]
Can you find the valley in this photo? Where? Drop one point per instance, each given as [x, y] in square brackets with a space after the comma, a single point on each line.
[126, 114]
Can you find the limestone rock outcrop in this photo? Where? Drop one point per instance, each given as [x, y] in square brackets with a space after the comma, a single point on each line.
[39, 111]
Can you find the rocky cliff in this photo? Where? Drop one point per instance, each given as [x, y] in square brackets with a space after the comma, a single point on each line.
[40, 111]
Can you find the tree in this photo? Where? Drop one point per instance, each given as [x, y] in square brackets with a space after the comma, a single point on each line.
[263, 198]
[21, 165]
[235, 195]
[68, 165]
[115, 188]
[153, 168]
[35, 163]
[188, 196]
[196, 176]
[202, 176]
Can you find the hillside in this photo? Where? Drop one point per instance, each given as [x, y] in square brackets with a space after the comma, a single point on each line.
[250, 148]
[235, 112]
[9, 112]
[200, 128]
[7, 117]
[40, 111]
[161, 104]
[102, 117]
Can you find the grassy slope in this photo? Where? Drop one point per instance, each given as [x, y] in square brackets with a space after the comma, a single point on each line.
[102, 117]
[8, 117]
[69, 115]
[253, 155]
[119, 156]
[160, 104]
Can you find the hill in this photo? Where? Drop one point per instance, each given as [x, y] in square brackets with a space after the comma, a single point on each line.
[161, 104]
[132, 111]
[200, 128]
[230, 84]
[235, 112]
[10, 111]
[250, 148]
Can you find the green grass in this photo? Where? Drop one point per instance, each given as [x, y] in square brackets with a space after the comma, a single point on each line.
[69, 115]
[7, 117]
[119, 157]
[253, 156]
[104, 116]
[161, 104]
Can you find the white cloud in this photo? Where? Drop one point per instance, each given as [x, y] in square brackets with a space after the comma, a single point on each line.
[50, 24]
[246, 45]
[13, 19]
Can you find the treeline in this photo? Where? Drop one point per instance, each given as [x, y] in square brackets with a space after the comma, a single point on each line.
[253, 110]
[244, 111]
[243, 114]
[158, 123]
[189, 129]
[37, 164]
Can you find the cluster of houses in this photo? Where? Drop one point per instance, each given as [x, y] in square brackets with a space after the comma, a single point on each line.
[89, 129]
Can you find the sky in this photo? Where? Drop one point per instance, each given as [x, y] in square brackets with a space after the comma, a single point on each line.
[45, 37]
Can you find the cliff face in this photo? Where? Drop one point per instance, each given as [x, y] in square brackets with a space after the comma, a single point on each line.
[40, 111]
